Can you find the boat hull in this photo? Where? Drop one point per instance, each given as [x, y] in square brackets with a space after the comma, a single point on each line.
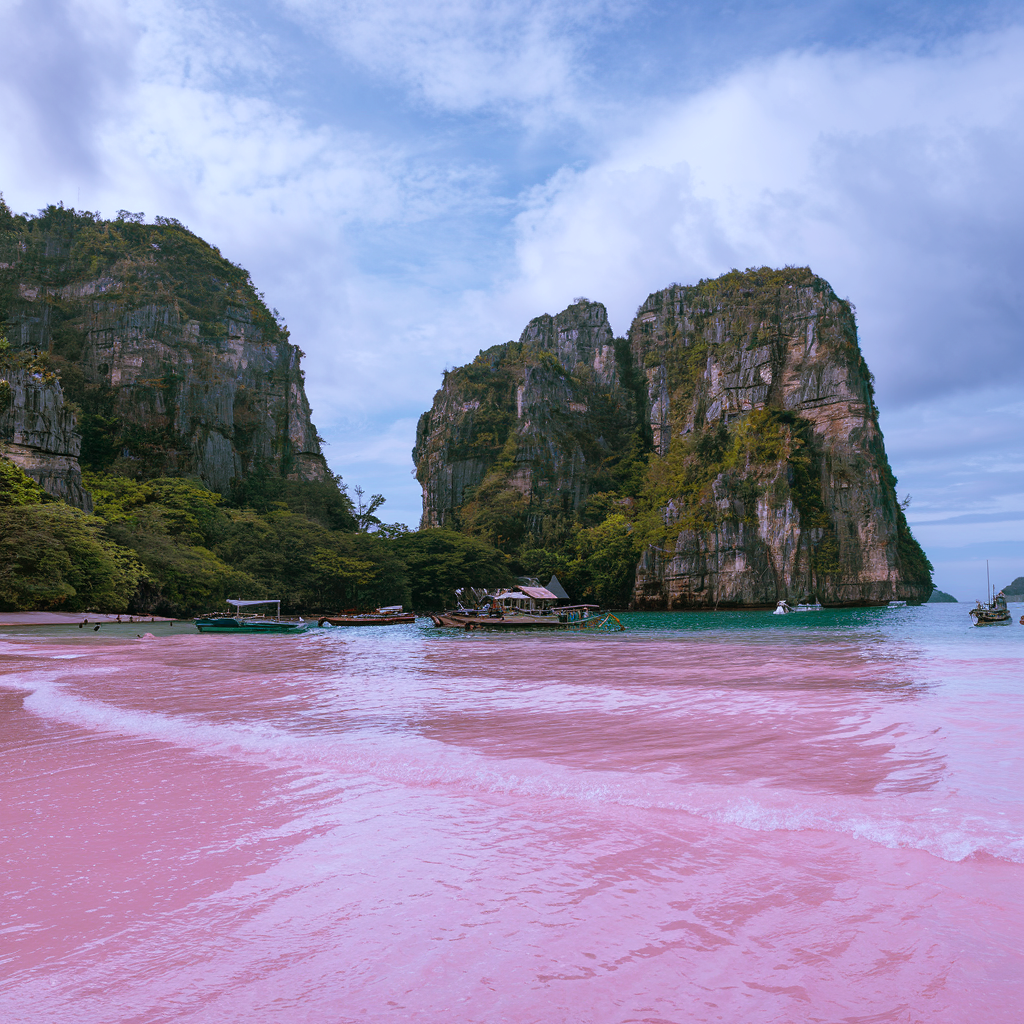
[991, 618]
[248, 628]
[366, 620]
[529, 622]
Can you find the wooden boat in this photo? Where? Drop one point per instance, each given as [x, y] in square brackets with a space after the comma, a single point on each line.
[571, 617]
[392, 615]
[993, 612]
[251, 625]
[525, 607]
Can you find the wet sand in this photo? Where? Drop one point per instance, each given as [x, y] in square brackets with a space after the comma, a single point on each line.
[74, 618]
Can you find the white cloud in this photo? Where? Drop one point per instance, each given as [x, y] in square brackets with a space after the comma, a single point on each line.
[64, 62]
[461, 55]
[894, 176]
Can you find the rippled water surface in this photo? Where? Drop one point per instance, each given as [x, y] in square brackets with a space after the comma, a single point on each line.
[729, 817]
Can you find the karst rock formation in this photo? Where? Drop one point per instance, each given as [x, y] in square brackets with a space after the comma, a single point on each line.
[748, 407]
[138, 349]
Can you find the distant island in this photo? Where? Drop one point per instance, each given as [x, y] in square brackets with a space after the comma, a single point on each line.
[941, 597]
[1015, 590]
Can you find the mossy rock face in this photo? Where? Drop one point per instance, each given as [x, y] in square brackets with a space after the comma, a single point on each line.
[169, 354]
[795, 498]
[528, 431]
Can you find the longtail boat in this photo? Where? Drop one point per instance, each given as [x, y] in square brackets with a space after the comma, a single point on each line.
[392, 615]
[251, 625]
[571, 618]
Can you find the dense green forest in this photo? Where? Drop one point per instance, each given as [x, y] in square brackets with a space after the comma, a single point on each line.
[169, 546]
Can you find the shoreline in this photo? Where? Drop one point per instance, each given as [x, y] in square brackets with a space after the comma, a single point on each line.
[75, 618]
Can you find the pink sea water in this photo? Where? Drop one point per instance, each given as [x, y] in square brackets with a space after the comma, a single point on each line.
[705, 818]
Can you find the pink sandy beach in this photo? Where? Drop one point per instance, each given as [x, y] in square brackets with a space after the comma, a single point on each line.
[410, 826]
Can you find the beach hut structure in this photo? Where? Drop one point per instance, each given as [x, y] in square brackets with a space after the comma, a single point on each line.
[526, 599]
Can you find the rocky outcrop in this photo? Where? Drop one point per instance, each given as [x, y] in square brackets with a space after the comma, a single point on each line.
[172, 358]
[761, 407]
[735, 427]
[544, 420]
[38, 433]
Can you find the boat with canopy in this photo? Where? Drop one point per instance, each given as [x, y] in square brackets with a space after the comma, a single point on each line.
[240, 622]
[525, 607]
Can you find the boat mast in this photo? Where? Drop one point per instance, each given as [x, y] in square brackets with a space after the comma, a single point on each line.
[988, 582]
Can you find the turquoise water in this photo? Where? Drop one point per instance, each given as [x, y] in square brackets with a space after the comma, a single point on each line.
[934, 623]
[941, 626]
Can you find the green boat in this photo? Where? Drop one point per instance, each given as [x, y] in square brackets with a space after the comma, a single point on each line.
[234, 622]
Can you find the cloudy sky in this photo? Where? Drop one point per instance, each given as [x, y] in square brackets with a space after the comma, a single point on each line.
[411, 182]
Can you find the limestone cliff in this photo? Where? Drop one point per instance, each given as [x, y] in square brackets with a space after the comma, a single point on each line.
[542, 421]
[770, 475]
[173, 362]
[735, 428]
[38, 433]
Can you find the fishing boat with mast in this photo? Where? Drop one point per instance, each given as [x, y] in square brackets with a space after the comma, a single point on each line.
[237, 621]
[994, 611]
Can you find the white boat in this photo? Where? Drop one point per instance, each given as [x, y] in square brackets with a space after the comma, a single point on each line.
[785, 608]
[896, 604]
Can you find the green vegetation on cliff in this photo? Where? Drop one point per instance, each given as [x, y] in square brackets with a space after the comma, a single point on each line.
[166, 352]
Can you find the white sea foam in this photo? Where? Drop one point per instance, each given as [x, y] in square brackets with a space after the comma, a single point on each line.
[407, 758]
